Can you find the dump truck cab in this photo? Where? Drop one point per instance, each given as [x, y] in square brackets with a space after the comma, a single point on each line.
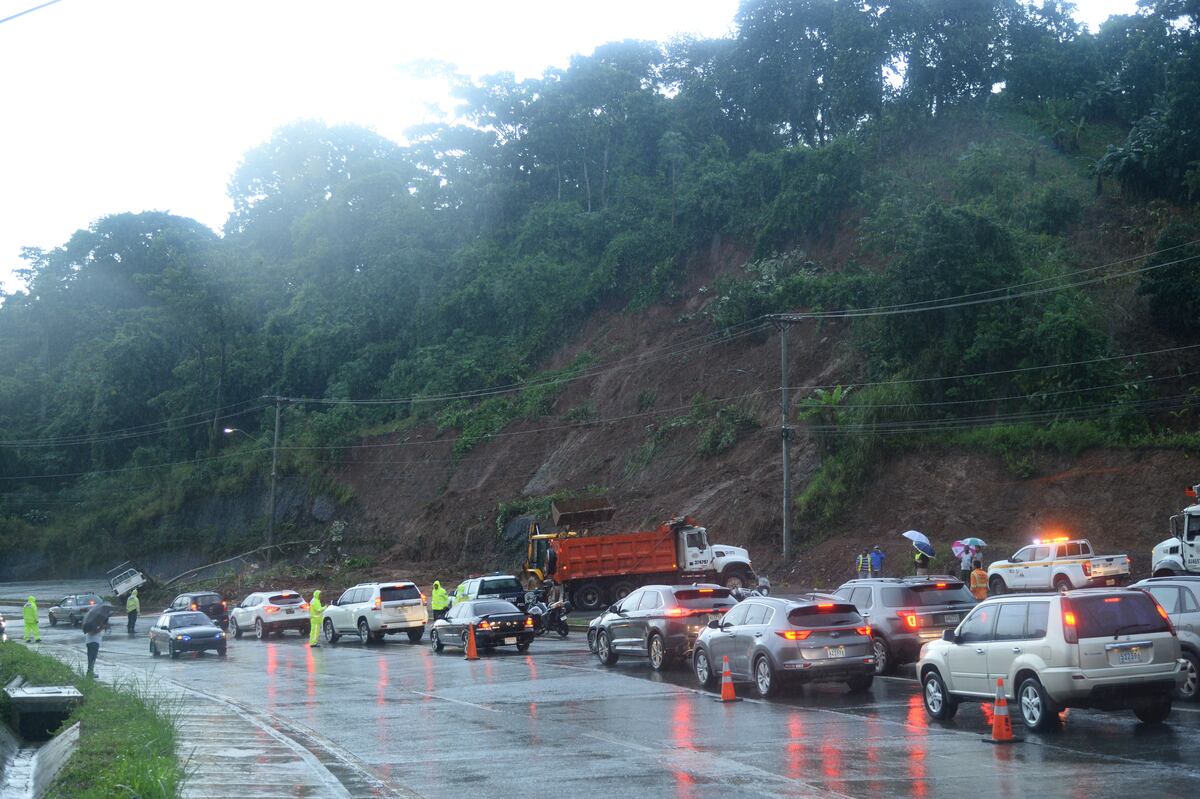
[1180, 554]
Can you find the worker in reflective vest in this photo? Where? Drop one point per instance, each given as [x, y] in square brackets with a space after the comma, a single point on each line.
[979, 581]
[32, 633]
[316, 612]
[862, 564]
[439, 600]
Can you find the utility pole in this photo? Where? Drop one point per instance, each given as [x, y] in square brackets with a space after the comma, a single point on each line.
[274, 474]
[783, 325]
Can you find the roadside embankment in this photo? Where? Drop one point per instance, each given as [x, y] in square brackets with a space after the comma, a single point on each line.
[127, 744]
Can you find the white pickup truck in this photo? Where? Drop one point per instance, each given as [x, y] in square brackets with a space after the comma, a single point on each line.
[1058, 564]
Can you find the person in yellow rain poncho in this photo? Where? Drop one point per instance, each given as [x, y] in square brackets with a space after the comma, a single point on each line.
[316, 612]
[32, 633]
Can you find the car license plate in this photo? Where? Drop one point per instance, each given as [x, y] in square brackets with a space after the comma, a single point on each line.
[289, 612]
[1110, 582]
[510, 640]
[952, 618]
[1131, 655]
[835, 651]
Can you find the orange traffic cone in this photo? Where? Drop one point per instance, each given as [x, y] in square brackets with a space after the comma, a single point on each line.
[471, 653]
[1002, 732]
[727, 693]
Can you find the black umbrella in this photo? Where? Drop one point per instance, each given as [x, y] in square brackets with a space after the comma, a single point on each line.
[97, 617]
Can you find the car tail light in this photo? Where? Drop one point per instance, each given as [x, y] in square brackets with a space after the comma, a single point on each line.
[1087, 569]
[793, 635]
[863, 631]
[528, 621]
[1166, 616]
[91, 601]
[675, 613]
[378, 603]
[422, 599]
[825, 606]
[270, 609]
[704, 590]
[193, 606]
[939, 585]
[304, 606]
[1070, 631]
[224, 605]
[911, 620]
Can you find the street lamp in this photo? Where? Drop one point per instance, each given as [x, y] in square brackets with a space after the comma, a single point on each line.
[274, 471]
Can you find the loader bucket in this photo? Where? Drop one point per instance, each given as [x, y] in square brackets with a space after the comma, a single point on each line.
[581, 512]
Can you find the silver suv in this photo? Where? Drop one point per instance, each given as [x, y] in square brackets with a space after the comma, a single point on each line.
[1112, 649]
[1180, 597]
[373, 610]
[905, 613]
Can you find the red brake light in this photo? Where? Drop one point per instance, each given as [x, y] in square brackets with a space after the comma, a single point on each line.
[91, 601]
[193, 606]
[1070, 633]
[1161, 611]
[704, 590]
[910, 619]
[940, 585]
[270, 609]
[224, 604]
[1087, 569]
[304, 606]
[825, 606]
[1113, 599]
[528, 621]
[676, 612]
[863, 631]
[793, 635]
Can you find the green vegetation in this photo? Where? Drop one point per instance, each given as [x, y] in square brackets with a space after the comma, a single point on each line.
[718, 427]
[128, 742]
[429, 279]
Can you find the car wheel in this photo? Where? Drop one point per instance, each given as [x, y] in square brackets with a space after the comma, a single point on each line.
[222, 651]
[735, 578]
[1155, 713]
[172, 651]
[589, 597]
[996, 586]
[364, 632]
[939, 703]
[53, 620]
[523, 647]
[705, 674]
[1037, 712]
[592, 640]
[416, 635]
[765, 681]
[604, 649]
[260, 630]
[656, 649]
[436, 641]
[234, 629]
[883, 657]
[622, 590]
[863, 683]
[1191, 678]
[331, 635]
[154, 648]
[1062, 584]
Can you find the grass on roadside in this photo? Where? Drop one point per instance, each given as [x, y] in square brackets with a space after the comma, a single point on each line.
[127, 746]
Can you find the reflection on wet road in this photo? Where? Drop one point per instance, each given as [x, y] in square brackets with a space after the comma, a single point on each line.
[555, 722]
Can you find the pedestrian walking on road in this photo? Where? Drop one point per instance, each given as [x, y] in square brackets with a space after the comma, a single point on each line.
[877, 557]
[316, 612]
[921, 561]
[965, 562]
[979, 581]
[862, 564]
[133, 606]
[30, 611]
[439, 600]
[93, 634]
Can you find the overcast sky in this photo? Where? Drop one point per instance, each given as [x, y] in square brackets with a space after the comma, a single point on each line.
[135, 105]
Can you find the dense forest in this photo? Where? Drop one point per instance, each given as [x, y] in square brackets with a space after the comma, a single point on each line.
[377, 285]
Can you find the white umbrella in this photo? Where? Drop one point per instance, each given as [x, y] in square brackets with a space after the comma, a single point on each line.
[917, 537]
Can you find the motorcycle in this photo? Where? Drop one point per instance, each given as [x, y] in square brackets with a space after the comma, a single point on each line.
[548, 617]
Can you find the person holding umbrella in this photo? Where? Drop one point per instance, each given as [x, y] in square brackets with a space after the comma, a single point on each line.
[93, 633]
[924, 549]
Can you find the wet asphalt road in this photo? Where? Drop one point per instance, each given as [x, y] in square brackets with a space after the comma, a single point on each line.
[556, 723]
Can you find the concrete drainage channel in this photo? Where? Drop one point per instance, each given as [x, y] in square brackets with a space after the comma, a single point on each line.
[29, 763]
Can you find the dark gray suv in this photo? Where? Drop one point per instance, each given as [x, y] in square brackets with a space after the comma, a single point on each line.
[905, 613]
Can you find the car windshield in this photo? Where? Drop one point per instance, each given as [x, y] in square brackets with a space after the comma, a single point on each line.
[394, 593]
[704, 598]
[206, 599]
[286, 599]
[1116, 615]
[189, 620]
[916, 596]
[824, 615]
[88, 599]
[488, 608]
[500, 585]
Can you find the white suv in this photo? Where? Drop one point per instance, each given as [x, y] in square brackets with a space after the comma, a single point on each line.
[1112, 649]
[373, 610]
[268, 612]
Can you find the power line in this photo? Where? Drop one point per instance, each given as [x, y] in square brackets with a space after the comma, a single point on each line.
[28, 11]
[139, 431]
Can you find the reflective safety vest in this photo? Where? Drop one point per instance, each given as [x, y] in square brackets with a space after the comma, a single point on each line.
[979, 584]
[862, 563]
[440, 598]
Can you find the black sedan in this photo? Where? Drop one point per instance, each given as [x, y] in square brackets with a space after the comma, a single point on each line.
[497, 623]
[186, 631]
[207, 602]
[659, 622]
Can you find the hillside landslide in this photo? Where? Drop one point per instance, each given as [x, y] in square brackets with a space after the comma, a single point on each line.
[435, 513]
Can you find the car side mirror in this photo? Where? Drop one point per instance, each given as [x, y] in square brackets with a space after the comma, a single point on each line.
[613, 608]
[950, 636]
[715, 624]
